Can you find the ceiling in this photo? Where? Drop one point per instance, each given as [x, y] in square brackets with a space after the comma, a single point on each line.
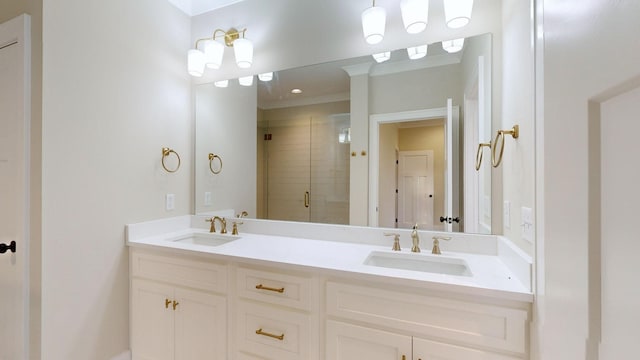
[197, 7]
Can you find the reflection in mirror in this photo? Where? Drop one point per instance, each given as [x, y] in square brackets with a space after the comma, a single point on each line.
[302, 141]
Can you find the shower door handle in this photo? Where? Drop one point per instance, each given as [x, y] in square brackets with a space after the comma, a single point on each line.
[11, 247]
[306, 199]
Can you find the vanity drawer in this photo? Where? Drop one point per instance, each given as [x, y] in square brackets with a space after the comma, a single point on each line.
[267, 332]
[198, 274]
[488, 326]
[276, 288]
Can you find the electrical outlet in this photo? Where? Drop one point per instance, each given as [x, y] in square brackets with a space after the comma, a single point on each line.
[527, 224]
[170, 202]
[506, 214]
[207, 198]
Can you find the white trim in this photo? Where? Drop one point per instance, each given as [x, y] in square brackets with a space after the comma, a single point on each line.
[375, 120]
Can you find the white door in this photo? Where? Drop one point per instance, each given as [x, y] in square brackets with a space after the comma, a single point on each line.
[152, 330]
[348, 342]
[430, 350]
[619, 246]
[448, 170]
[415, 189]
[14, 168]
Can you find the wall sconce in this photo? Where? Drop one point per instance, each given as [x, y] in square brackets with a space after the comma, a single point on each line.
[457, 13]
[453, 46]
[212, 51]
[415, 14]
[373, 23]
[266, 76]
[417, 52]
[246, 80]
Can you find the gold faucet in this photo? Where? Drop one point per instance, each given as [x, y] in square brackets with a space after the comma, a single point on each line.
[242, 214]
[436, 244]
[223, 222]
[415, 239]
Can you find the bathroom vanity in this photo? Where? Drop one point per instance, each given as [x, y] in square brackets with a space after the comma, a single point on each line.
[282, 290]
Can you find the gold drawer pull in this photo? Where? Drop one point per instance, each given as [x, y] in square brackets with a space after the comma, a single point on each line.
[261, 287]
[166, 303]
[175, 304]
[279, 337]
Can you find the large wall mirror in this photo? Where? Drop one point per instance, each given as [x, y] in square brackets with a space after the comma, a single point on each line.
[293, 156]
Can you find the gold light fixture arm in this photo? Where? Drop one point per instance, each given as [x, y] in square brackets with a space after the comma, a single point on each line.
[229, 36]
[165, 153]
[480, 154]
[514, 132]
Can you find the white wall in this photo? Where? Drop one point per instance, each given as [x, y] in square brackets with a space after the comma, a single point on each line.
[115, 92]
[226, 124]
[575, 77]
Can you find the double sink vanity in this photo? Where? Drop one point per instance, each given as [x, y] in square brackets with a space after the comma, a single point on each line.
[287, 290]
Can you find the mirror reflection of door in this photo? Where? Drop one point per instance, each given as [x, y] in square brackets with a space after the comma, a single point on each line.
[415, 189]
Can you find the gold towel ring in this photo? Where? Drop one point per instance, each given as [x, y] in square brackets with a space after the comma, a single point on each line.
[165, 153]
[213, 156]
[480, 154]
[514, 132]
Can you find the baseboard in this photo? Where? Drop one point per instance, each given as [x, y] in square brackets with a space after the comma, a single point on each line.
[124, 356]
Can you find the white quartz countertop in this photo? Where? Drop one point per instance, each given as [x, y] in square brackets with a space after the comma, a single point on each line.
[491, 277]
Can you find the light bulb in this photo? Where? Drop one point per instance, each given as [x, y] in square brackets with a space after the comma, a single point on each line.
[457, 13]
[373, 24]
[243, 50]
[415, 14]
[195, 62]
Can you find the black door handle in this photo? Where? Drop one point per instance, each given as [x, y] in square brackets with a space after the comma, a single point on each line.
[11, 247]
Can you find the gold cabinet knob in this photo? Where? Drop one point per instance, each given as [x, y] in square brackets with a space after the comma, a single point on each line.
[166, 303]
[175, 304]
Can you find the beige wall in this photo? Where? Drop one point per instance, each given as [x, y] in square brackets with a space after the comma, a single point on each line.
[115, 92]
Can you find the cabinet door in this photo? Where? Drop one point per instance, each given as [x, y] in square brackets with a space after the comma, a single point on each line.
[200, 325]
[151, 321]
[348, 342]
[433, 350]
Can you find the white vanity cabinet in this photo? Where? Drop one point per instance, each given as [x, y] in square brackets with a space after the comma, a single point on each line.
[396, 325]
[276, 314]
[178, 308]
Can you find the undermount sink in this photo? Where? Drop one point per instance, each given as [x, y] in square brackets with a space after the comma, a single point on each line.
[207, 239]
[419, 262]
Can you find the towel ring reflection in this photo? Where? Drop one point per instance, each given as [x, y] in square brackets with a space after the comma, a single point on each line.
[514, 132]
[480, 154]
[212, 157]
[165, 153]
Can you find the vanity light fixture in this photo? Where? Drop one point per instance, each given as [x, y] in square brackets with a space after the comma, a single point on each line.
[208, 52]
[457, 13]
[417, 52]
[415, 14]
[373, 23]
[266, 76]
[453, 46]
[221, 83]
[246, 80]
[382, 57]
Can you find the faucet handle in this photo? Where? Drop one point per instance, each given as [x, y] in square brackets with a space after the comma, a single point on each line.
[213, 224]
[436, 243]
[396, 241]
[234, 230]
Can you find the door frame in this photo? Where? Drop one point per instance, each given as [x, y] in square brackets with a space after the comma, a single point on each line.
[376, 120]
[18, 30]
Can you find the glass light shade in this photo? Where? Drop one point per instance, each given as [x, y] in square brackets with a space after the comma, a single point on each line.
[246, 80]
[373, 24]
[243, 50]
[221, 83]
[382, 57]
[266, 76]
[417, 52]
[213, 51]
[195, 62]
[453, 46]
[415, 14]
[457, 13]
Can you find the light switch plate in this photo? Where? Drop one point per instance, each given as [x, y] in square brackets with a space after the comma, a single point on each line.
[506, 214]
[170, 202]
[527, 224]
[207, 198]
